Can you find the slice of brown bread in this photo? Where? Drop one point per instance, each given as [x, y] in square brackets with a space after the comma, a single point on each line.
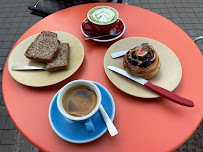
[45, 47]
[61, 61]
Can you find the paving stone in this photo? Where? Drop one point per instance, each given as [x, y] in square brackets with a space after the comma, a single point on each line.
[1, 135]
[9, 20]
[2, 19]
[180, 10]
[197, 10]
[191, 15]
[175, 15]
[4, 32]
[172, 10]
[17, 36]
[25, 24]
[164, 10]
[146, 6]
[200, 32]
[35, 149]
[4, 52]
[5, 45]
[26, 19]
[196, 20]
[10, 125]
[3, 111]
[21, 30]
[14, 25]
[6, 25]
[9, 38]
[162, 5]
[1, 99]
[168, 16]
[177, 20]
[155, 10]
[11, 14]
[189, 26]
[152, 1]
[18, 19]
[169, 5]
[9, 137]
[6, 148]
[178, 5]
[25, 145]
[183, 14]
[186, 20]
[2, 59]
[2, 36]
[20, 14]
[13, 30]
[160, 1]
[189, 10]
[3, 121]
[154, 5]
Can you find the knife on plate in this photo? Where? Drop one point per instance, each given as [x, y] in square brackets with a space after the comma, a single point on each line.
[121, 53]
[161, 91]
[23, 67]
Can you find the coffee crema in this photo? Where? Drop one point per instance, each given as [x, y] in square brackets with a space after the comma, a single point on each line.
[103, 15]
[79, 100]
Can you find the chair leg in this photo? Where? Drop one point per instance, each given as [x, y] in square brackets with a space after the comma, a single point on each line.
[125, 2]
[198, 38]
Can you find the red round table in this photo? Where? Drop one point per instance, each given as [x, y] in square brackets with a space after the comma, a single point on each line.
[143, 124]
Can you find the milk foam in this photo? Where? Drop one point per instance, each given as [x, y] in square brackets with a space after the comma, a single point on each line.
[103, 15]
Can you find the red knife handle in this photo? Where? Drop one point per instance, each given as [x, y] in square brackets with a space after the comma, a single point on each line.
[169, 95]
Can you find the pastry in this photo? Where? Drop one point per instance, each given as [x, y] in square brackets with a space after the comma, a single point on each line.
[142, 61]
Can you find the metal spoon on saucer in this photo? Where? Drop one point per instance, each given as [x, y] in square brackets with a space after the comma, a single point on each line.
[111, 128]
[111, 33]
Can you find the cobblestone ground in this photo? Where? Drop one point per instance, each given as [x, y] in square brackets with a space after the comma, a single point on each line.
[15, 19]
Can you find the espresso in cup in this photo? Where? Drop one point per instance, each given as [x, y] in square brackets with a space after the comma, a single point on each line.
[102, 19]
[79, 100]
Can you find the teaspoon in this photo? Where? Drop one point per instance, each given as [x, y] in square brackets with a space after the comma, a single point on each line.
[111, 128]
[111, 33]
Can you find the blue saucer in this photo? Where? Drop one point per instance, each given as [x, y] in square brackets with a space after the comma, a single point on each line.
[76, 132]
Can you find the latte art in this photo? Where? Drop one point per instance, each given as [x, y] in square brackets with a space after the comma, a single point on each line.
[103, 15]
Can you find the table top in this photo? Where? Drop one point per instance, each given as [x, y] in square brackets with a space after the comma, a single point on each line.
[143, 124]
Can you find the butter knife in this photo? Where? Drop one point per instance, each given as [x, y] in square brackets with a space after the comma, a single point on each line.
[23, 67]
[161, 91]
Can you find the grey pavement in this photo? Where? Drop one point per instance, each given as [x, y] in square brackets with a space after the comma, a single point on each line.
[15, 19]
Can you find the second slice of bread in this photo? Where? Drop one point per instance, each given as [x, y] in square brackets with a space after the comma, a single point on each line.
[61, 61]
[45, 47]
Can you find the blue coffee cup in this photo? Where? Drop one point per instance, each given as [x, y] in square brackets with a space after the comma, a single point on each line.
[84, 119]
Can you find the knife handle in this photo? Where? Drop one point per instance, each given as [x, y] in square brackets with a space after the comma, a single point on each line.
[169, 95]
